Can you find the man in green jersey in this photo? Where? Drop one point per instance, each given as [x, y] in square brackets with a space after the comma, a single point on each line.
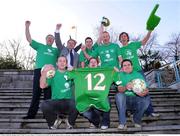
[89, 49]
[46, 54]
[108, 54]
[127, 99]
[61, 102]
[129, 51]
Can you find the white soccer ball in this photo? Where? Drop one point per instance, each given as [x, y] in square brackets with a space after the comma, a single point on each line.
[139, 85]
[50, 73]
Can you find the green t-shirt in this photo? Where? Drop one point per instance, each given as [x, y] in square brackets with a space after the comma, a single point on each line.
[108, 55]
[124, 78]
[45, 54]
[61, 88]
[82, 58]
[130, 52]
[92, 87]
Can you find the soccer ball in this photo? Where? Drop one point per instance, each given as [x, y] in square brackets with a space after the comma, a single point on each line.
[139, 85]
[50, 73]
[105, 21]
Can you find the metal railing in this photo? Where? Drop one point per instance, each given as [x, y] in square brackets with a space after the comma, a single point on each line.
[165, 76]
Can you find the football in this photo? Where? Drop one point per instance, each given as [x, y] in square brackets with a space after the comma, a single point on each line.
[50, 73]
[105, 21]
[139, 85]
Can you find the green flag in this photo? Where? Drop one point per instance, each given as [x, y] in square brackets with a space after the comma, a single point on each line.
[153, 20]
[92, 87]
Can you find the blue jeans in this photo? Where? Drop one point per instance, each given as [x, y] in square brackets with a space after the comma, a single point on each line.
[93, 116]
[136, 104]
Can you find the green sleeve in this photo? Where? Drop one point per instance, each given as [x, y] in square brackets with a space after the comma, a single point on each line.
[81, 57]
[136, 45]
[95, 46]
[117, 78]
[35, 45]
[95, 53]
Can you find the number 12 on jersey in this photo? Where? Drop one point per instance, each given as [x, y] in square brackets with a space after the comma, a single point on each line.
[97, 85]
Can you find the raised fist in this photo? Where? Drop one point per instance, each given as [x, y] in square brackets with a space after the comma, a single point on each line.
[27, 23]
[58, 26]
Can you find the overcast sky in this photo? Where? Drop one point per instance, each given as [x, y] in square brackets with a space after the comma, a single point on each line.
[125, 15]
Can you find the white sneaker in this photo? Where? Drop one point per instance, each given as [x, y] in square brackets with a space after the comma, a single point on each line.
[52, 127]
[104, 127]
[121, 126]
[68, 126]
[92, 125]
[57, 123]
[137, 125]
[155, 115]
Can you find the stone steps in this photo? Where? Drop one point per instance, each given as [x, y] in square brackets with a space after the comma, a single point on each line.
[15, 97]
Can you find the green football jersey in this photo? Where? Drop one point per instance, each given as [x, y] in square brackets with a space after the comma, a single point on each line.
[45, 54]
[108, 55]
[130, 52]
[92, 87]
[61, 88]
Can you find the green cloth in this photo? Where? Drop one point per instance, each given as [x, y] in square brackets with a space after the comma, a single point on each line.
[46, 54]
[61, 88]
[92, 87]
[108, 54]
[153, 20]
[125, 78]
[130, 52]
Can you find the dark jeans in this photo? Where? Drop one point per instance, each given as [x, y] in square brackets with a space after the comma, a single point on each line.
[150, 108]
[96, 116]
[92, 116]
[36, 94]
[136, 104]
[53, 108]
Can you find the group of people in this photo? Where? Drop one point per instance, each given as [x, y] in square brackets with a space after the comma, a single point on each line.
[64, 91]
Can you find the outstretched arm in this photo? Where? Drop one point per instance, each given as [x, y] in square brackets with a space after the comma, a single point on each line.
[101, 29]
[57, 38]
[146, 38]
[78, 47]
[27, 32]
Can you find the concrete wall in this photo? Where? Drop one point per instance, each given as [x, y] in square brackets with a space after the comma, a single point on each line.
[16, 78]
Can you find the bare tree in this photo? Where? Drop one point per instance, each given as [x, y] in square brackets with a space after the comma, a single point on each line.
[21, 55]
[174, 46]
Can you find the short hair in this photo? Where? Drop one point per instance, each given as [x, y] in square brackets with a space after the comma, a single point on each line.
[88, 38]
[72, 40]
[128, 60]
[64, 57]
[50, 35]
[122, 34]
[95, 59]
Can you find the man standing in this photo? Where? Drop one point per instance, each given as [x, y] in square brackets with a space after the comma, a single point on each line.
[69, 52]
[46, 54]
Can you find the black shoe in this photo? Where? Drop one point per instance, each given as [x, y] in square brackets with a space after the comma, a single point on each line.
[28, 117]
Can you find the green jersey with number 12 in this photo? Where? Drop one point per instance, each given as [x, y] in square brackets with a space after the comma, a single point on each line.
[92, 87]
